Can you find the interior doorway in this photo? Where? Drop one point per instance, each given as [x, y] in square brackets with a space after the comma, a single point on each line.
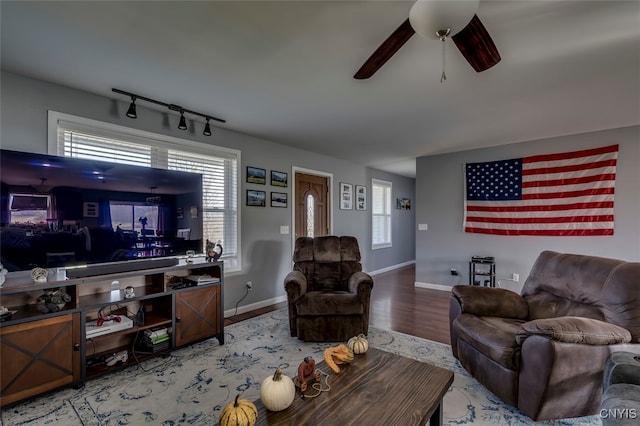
[311, 208]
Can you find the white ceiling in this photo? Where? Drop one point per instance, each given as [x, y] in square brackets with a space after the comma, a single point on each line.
[283, 70]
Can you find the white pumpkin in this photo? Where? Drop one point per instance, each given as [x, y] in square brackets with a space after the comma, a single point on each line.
[277, 392]
[358, 344]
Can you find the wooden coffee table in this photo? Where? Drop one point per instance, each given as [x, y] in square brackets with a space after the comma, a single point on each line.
[377, 388]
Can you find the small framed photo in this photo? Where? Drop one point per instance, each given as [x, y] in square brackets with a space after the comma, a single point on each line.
[90, 209]
[403, 203]
[256, 175]
[346, 196]
[279, 199]
[361, 197]
[279, 178]
[256, 198]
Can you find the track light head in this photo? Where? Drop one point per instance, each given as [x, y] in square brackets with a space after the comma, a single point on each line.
[207, 128]
[131, 112]
[183, 122]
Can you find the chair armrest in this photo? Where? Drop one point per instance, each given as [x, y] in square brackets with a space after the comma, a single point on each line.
[490, 302]
[360, 283]
[586, 331]
[622, 367]
[295, 284]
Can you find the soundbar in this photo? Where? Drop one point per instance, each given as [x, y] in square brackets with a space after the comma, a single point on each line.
[118, 267]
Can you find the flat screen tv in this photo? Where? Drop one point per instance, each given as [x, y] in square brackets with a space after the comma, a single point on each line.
[65, 212]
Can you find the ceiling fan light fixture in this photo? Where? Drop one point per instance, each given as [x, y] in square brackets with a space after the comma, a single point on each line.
[443, 34]
[429, 17]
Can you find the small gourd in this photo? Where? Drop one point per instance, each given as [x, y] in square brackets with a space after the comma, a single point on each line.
[277, 392]
[240, 412]
[358, 344]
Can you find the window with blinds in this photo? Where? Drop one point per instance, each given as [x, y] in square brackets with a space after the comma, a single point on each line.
[380, 214]
[218, 167]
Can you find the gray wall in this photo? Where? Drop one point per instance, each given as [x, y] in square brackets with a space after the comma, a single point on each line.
[266, 254]
[439, 189]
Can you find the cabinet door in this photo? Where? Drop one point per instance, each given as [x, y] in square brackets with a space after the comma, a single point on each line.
[199, 315]
[39, 356]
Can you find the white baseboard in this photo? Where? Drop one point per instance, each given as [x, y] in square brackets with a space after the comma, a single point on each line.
[391, 268]
[433, 286]
[254, 306]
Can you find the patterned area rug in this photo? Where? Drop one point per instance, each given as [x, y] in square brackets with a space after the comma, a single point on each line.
[193, 384]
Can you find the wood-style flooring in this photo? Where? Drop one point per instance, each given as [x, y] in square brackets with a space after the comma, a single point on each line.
[396, 304]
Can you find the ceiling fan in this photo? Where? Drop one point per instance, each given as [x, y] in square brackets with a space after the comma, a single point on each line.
[438, 20]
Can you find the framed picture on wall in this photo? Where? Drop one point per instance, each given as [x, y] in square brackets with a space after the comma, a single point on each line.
[279, 199]
[361, 197]
[403, 203]
[279, 178]
[256, 198]
[256, 175]
[346, 196]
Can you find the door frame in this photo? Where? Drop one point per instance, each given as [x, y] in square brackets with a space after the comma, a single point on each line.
[329, 176]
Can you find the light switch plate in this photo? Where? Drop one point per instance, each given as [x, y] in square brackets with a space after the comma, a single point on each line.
[422, 227]
[284, 230]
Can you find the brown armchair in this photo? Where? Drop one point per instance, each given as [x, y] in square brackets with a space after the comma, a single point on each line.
[544, 351]
[327, 293]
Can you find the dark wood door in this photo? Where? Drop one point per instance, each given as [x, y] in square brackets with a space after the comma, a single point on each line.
[39, 356]
[311, 205]
[198, 315]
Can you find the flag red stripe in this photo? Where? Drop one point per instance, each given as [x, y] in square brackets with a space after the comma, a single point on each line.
[567, 194]
[568, 155]
[573, 181]
[569, 168]
[555, 207]
[542, 232]
[564, 219]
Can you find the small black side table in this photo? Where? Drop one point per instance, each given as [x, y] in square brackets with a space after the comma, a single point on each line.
[482, 270]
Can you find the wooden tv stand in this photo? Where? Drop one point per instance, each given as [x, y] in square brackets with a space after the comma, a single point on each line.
[41, 352]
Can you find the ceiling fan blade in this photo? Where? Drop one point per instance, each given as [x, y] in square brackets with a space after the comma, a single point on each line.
[476, 45]
[386, 50]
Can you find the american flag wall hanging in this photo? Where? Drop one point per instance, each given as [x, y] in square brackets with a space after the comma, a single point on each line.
[567, 194]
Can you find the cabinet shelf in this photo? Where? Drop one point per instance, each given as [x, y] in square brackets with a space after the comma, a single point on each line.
[115, 297]
[29, 312]
[151, 319]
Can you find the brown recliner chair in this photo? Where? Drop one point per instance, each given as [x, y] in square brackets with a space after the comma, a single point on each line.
[327, 293]
[544, 351]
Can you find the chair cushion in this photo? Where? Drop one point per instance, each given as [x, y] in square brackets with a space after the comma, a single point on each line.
[492, 336]
[329, 303]
[575, 330]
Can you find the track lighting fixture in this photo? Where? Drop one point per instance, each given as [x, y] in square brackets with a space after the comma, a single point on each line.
[131, 112]
[182, 125]
[207, 129]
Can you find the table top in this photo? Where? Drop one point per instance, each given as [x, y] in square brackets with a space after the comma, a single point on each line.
[378, 387]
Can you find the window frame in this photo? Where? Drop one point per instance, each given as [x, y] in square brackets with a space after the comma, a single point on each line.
[387, 187]
[166, 143]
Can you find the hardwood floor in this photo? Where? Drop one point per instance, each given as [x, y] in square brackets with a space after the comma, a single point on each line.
[396, 304]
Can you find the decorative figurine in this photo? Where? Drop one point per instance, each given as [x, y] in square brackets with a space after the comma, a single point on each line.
[3, 272]
[307, 374]
[213, 251]
[39, 275]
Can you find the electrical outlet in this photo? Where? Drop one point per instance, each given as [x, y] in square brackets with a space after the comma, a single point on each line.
[515, 277]
[454, 271]
[249, 285]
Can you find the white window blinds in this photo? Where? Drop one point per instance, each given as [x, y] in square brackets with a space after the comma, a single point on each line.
[380, 214]
[218, 166]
